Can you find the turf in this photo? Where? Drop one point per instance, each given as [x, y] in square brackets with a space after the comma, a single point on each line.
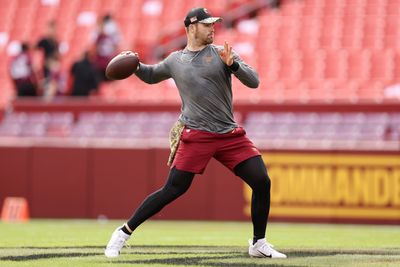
[164, 243]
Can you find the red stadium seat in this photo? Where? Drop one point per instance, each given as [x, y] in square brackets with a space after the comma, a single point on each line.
[89, 5]
[330, 39]
[7, 13]
[268, 65]
[352, 32]
[373, 32]
[382, 65]
[313, 8]
[396, 69]
[272, 91]
[335, 66]
[110, 6]
[393, 8]
[313, 64]
[334, 7]
[290, 65]
[217, 8]
[346, 90]
[310, 33]
[269, 32]
[320, 91]
[371, 91]
[376, 8]
[358, 64]
[289, 34]
[294, 10]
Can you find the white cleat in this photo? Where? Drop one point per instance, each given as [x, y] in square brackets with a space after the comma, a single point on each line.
[262, 249]
[116, 243]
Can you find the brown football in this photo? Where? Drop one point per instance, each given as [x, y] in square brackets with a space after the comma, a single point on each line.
[122, 66]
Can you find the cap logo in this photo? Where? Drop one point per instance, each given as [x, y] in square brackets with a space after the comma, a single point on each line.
[206, 11]
[193, 19]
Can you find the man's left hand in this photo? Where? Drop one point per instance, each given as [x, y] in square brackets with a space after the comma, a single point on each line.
[226, 54]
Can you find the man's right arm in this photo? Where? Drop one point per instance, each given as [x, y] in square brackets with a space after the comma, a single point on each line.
[153, 73]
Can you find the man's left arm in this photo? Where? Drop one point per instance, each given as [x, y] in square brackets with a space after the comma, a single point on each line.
[246, 74]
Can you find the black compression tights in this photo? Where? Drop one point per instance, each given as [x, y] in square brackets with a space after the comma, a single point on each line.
[252, 171]
[177, 184]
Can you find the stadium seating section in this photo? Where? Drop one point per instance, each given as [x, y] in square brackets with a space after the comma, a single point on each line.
[307, 50]
[270, 130]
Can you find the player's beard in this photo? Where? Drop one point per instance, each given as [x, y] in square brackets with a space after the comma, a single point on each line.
[204, 40]
[210, 38]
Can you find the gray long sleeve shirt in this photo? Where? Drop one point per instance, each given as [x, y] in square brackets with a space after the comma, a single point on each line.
[204, 84]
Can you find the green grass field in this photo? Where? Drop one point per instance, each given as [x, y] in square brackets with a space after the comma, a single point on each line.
[73, 243]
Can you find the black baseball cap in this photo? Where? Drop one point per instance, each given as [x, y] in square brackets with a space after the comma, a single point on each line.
[200, 14]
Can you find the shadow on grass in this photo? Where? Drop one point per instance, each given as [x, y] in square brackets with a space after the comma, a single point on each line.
[40, 256]
[206, 261]
[210, 255]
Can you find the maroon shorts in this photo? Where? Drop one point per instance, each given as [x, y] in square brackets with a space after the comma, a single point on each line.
[196, 148]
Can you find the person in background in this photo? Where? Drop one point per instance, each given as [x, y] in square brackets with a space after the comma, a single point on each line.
[275, 3]
[55, 83]
[49, 45]
[22, 72]
[206, 129]
[84, 80]
[107, 40]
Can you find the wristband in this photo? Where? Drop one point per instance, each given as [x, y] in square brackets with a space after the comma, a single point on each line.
[234, 66]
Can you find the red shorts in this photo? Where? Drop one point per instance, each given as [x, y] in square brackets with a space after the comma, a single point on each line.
[196, 148]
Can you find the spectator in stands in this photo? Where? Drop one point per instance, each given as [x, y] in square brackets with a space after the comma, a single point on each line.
[22, 72]
[206, 128]
[84, 78]
[107, 40]
[275, 3]
[55, 82]
[50, 47]
[244, 10]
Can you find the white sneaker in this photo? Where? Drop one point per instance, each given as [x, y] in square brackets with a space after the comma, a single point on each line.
[116, 243]
[262, 249]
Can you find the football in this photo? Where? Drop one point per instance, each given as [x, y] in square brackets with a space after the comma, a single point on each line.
[122, 66]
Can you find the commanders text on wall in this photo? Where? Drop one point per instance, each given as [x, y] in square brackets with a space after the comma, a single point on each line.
[338, 186]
